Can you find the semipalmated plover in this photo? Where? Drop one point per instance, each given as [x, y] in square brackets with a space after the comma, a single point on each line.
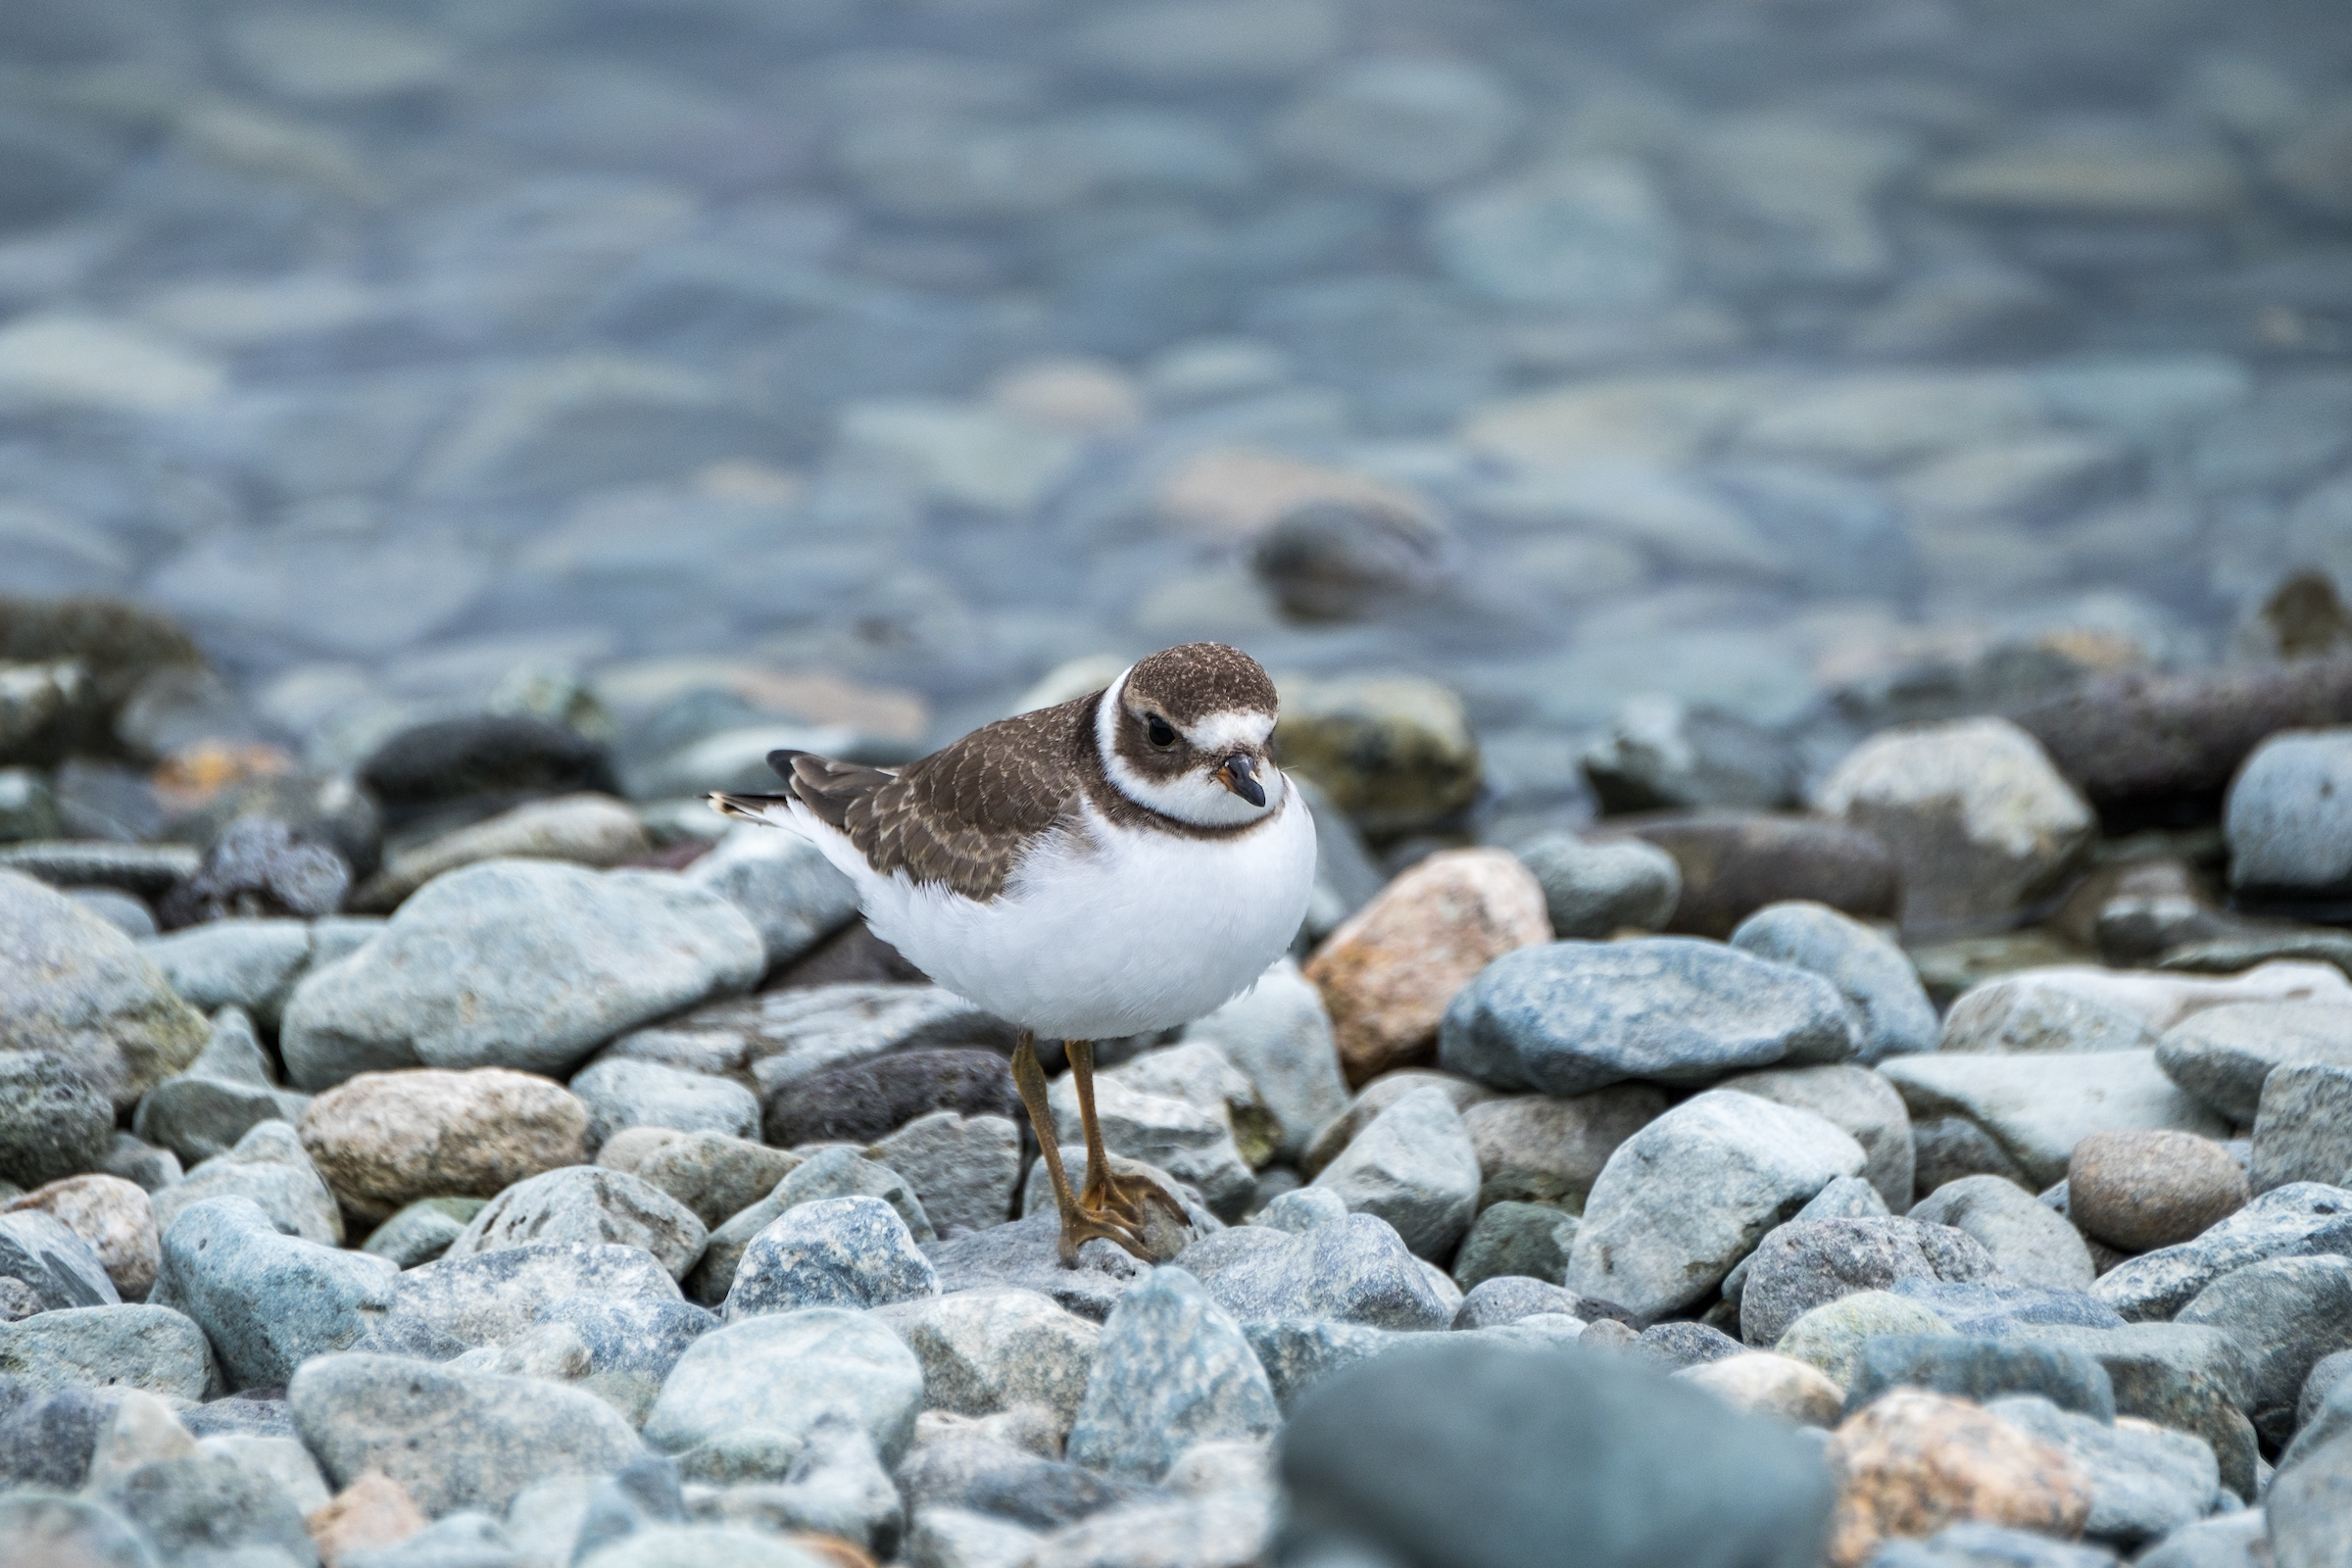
[1119, 863]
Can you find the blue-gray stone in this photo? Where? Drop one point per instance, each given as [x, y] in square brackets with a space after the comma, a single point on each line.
[1355, 1271]
[57, 1265]
[781, 1372]
[1982, 1545]
[422, 1231]
[2301, 1219]
[1298, 1354]
[2032, 1242]
[1809, 1263]
[493, 1298]
[46, 1439]
[837, 1251]
[1516, 1239]
[452, 1438]
[226, 1093]
[1991, 1309]
[620, 1092]
[1173, 1369]
[1892, 1015]
[632, 1342]
[1569, 1017]
[1508, 1297]
[148, 1348]
[266, 1301]
[201, 1503]
[46, 1529]
[270, 1167]
[1473, 1453]
[2240, 1540]
[1979, 1370]
[2189, 1378]
[2143, 1484]
[2287, 1313]
[2310, 1508]
[2288, 817]
[986, 1477]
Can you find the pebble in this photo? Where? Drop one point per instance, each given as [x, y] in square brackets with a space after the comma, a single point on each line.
[791, 893]
[1765, 1384]
[270, 1167]
[152, 1349]
[1172, 1369]
[1394, 753]
[631, 1343]
[1858, 1101]
[2141, 1191]
[226, 1091]
[525, 965]
[256, 869]
[421, 1231]
[715, 1175]
[865, 1102]
[619, 1093]
[2180, 1376]
[843, 1173]
[1892, 1015]
[373, 1511]
[2287, 1313]
[987, 1351]
[494, 1298]
[786, 1371]
[1913, 1462]
[2303, 1127]
[384, 1139]
[1808, 1263]
[46, 1440]
[1734, 863]
[1661, 753]
[1983, 1370]
[1593, 889]
[1415, 1167]
[1377, 1097]
[113, 1217]
[1277, 1035]
[1833, 1335]
[2286, 820]
[2032, 1242]
[963, 1169]
[266, 1301]
[80, 992]
[2224, 1054]
[483, 754]
[2306, 1510]
[1547, 1149]
[591, 830]
[48, 1257]
[1389, 972]
[1693, 1193]
[71, 1529]
[55, 1118]
[836, 1252]
[2020, 1013]
[248, 963]
[451, 1439]
[2035, 1109]
[203, 1502]
[1553, 1443]
[1356, 1269]
[1569, 1017]
[2145, 1482]
[587, 1206]
[1511, 1238]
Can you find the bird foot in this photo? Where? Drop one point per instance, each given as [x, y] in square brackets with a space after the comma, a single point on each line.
[1132, 1212]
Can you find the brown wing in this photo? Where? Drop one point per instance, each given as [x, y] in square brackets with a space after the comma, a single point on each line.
[961, 817]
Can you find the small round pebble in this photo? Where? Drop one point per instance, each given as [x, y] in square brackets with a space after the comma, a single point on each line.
[2138, 1190]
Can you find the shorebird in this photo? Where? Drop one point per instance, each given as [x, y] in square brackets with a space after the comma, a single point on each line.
[1119, 863]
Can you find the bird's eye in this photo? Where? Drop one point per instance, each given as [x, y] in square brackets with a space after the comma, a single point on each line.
[1159, 731]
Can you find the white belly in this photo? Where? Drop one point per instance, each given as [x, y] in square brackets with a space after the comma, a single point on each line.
[1108, 932]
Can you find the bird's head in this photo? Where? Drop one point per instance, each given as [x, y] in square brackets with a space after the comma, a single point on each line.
[1187, 732]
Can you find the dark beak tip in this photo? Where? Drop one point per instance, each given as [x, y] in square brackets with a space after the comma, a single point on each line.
[1240, 777]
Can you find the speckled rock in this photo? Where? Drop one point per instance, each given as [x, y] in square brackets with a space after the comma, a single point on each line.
[270, 1166]
[1278, 1036]
[1832, 1336]
[421, 1231]
[2145, 1482]
[963, 1169]
[1593, 889]
[619, 1093]
[266, 1302]
[1530, 1240]
[1415, 1167]
[1913, 1462]
[986, 1351]
[1737, 862]
[2303, 1127]
[1767, 1384]
[1389, 972]
[384, 1139]
[784, 1372]
[1569, 1017]
[1982, 1369]
[1891, 1010]
[783, 883]
[587, 1206]
[2025, 1013]
[863, 1102]
[2032, 1243]
[2286, 820]
[1172, 1369]
[56, 1267]
[2297, 1220]
[1861, 1102]
[1689, 1194]
[836, 1252]
[114, 1216]
[493, 1298]
[2141, 1191]
[153, 1348]
[1356, 1270]
[452, 1439]
[1547, 1150]
[2287, 1313]
[1977, 817]
[1807, 1264]
[2035, 1109]
[79, 991]
[226, 1090]
[517, 963]
[2223, 1054]
[715, 1175]
[593, 830]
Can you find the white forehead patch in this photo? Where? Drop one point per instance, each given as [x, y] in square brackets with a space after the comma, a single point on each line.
[1230, 732]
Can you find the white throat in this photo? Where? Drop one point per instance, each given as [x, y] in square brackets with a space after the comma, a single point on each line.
[1195, 797]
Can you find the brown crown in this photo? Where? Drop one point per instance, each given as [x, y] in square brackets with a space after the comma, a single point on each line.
[1193, 680]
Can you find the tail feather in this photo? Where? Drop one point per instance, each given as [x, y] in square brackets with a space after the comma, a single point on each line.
[775, 810]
